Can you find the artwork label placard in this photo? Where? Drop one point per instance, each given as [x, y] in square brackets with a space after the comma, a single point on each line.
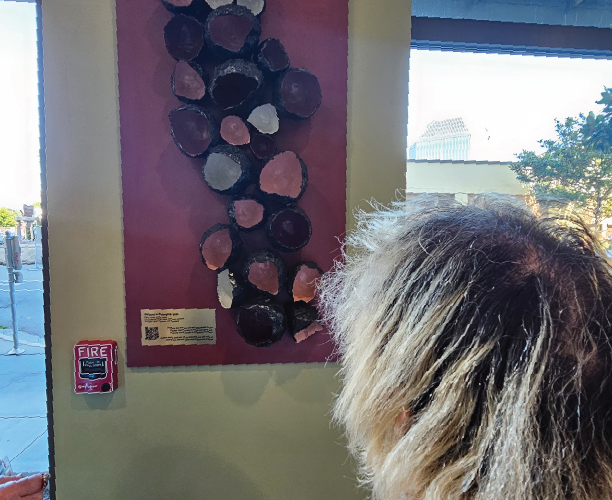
[178, 327]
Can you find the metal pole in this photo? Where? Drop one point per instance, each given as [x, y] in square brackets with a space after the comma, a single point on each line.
[37, 247]
[8, 247]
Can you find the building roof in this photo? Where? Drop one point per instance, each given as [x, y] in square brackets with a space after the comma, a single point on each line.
[452, 126]
[479, 162]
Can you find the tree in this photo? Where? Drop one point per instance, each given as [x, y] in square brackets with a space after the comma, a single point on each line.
[597, 129]
[574, 168]
[7, 217]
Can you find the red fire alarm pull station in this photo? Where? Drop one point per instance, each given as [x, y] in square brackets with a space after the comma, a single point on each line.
[95, 366]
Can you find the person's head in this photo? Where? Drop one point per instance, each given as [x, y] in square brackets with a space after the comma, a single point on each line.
[476, 353]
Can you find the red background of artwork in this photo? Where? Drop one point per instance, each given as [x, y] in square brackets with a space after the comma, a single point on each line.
[166, 204]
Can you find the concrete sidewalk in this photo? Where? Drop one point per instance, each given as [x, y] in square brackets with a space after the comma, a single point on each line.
[29, 300]
[23, 410]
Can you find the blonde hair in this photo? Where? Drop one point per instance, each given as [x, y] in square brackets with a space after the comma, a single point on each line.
[492, 328]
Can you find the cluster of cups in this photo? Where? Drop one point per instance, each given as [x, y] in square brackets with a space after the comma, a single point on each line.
[235, 86]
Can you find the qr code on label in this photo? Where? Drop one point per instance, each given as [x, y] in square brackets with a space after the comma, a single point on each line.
[151, 332]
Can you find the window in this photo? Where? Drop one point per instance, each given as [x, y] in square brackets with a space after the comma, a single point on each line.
[23, 406]
[487, 81]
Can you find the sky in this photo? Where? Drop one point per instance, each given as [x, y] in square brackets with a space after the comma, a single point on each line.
[19, 143]
[508, 102]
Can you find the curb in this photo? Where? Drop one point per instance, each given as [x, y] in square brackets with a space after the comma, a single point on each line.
[24, 342]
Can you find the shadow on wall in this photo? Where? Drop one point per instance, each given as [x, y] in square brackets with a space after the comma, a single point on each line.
[245, 395]
[185, 471]
[244, 385]
[292, 378]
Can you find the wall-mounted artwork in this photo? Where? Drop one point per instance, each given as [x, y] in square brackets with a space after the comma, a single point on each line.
[233, 146]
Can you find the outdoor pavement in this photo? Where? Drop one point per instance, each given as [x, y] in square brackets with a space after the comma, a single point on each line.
[29, 301]
[23, 410]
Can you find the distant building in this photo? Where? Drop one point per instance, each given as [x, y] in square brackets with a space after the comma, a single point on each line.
[443, 140]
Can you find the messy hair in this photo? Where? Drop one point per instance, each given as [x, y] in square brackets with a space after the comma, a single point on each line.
[491, 327]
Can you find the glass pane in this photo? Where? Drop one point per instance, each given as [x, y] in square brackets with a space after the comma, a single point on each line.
[490, 107]
[23, 410]
[486, 122]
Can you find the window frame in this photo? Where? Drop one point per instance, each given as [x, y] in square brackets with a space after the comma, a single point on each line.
[468, 35]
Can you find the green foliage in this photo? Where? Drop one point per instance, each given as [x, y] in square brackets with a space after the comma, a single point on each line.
[597, 129]
[7, 217]
[576, 168]
[36, 205]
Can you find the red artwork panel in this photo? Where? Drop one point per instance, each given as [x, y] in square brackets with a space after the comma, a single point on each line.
[167, 206]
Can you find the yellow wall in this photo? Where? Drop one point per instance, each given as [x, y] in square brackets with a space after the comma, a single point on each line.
[379, 44]
[226, 433]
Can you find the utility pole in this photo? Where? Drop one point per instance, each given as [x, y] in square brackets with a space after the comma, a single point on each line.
[12, 251]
